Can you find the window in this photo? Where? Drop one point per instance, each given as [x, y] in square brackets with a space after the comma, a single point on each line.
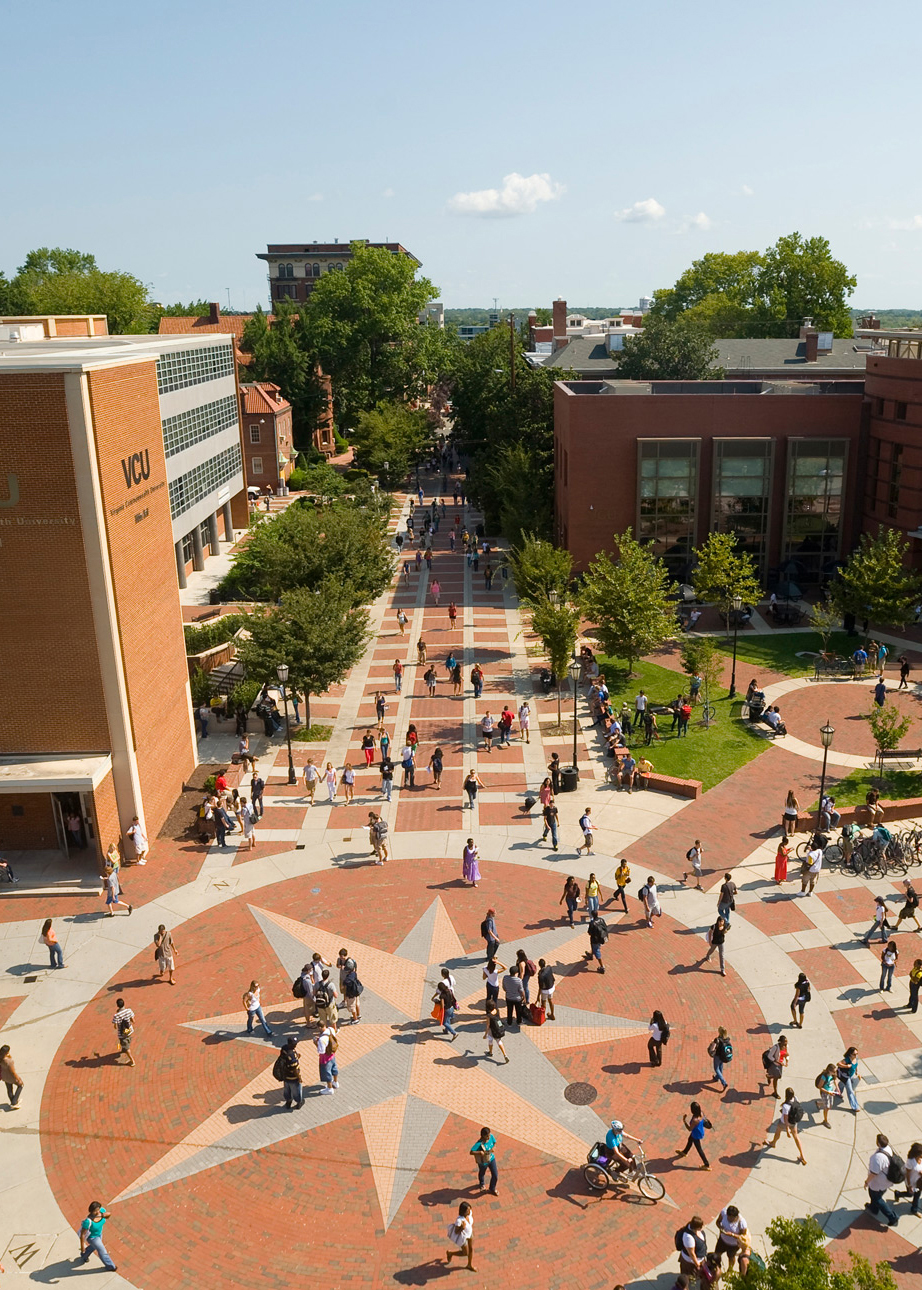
[666, 502]
[199, 423]
[742, 494]
[316, 270]
[254, 434]
[896, 471]
[187, 549]
[289, 271]
[813, 506]
[207, 478]
[185, 367]
[256, 465]
[340, 267]
[899, 411]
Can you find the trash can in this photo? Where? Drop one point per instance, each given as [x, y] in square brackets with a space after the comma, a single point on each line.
[569, 778]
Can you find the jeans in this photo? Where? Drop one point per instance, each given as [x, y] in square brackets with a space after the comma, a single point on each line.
[723, 912]
[204, 728]
[504, 733]
[482, 1173]
[886, 976]
[620, 894]
[683, 728]
[492, 993]
[447, 1027]
[720, 955]
[876, 927]
[14, 1093]
[914, 996]
[571, 908]
[95, 1243]
[258, 807]
[847, 1087]
[719, 1072]
[518, 1007]
[57, 955]
[696, 1143]
[386, 787]
[552, 826]
[398, 682]
[880, 1205]
[293, 1092]
[251, 1018]
[593, 903]
[478, 689]
[220, 831]
[409, 776]
[492, 947]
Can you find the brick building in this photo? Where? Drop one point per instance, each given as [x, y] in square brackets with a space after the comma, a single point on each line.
[121, 462]
[268, 451]
[893, 483]
[295, 267]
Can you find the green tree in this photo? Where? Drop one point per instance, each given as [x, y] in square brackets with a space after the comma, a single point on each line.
[304, 545]
[799, 1261]
[874, 583]
[722, 573]
[717, 291]
[558, 627]
[319, 633]
[887, 726]
[800, 279]
[701, 657]
[540, 568]
[668, 351]
[629, 598]
[281, 354]
[392, 435]
[54, 280]
[824, 620]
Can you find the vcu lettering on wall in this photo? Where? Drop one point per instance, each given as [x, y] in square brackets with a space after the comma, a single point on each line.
[136, 467]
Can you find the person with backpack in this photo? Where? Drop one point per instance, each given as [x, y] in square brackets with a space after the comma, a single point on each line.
[791, 1115]
[847, 1076]
[325, 1001]
[547, 984]
[123, 1022]
[696, 1125]
[910, 907]
[825, 1085]
[585, 825]
[720, 1050]
[691, 1243]
[527, 969]
[650, 897]
[694, 855]
[879, 924]
[801, 998]
[659, 1035]
[913, 1178]
[598, 935]
[716, 936]
[287, 1069]
[377, 832]
[774, 1060]
[351, 989]
[327, 1044]
[915, 981]
[885, 1169]
[571, 896]
[494, 1029]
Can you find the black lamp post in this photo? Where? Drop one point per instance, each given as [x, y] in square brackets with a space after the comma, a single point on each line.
[737, 603]
[826, 734]
[282, 673]
[574, 670]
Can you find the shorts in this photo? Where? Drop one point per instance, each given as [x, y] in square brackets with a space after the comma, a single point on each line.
[587, 839]
[722, 1247]
[329, 1015]
[329, 1071]
[113, 897]
[124, 1043]
[546, 995]
[597, 952]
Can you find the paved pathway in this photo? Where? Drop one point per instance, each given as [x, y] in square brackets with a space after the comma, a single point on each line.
[359, 1187]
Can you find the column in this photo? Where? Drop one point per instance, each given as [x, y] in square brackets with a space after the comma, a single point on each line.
[213, 540]
[198, 550]
[180, 564]
[228, 522]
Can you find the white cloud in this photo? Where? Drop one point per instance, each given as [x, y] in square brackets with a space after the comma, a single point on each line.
[519, 195]
[388, 192]
[747, 191]
[315, 197]
[913, 223]
[700, 221]
[645, 212]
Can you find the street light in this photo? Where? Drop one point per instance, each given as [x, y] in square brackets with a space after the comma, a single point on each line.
[554, 597]
[574, 670]
[826, 734]
[282, 673]
[737, 603]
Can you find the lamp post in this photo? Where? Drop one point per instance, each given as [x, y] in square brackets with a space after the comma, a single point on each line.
[826, 734]
[737, 603]
[574, 670]
[282, 673]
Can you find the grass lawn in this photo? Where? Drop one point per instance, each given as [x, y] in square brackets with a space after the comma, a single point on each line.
[779, 652]
[895, 784]
[707, 755]
[315, 734]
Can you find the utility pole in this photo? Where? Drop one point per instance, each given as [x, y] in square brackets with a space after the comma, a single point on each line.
[512, 352]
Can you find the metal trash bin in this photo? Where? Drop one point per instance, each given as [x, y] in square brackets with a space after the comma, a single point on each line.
[569, 778]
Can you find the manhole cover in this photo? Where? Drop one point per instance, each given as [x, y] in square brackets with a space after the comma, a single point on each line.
[581, 1094]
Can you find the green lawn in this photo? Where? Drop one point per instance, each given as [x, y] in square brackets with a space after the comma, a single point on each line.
[895, 784]
[779, 652]
[707, 755]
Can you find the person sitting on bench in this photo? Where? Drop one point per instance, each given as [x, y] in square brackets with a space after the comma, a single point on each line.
[772, 717]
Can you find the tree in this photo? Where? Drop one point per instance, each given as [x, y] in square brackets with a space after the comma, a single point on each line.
[716, 291]
[540, 568]
[389, 440]
[800, 279]
[722, 573]
[629, 598]
[874, 584]
[558, 627]
[824, 621]
[668, 351]
[887, 726]
[304, 545]
[281, 354]
[799, 1261]
[319, 633]
[701, 657]
[53, 280]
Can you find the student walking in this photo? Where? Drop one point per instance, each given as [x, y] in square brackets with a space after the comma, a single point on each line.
[52, 944]
[547, 984]
[825, 1085]
[247, 817]
[348, 782]
[879, 1180]
[593, 895]
[791, 1115]
[380, 708]
[489, 933]
[377, 833]
[91, 1236]
[460, 1233]
[435, 586]
[257, 788]
[847, 1076]
[550, 814]
[888, 960]
[494, 1030]
[398, 676]
[801, 998]
[726, 899]
[445, 999]
[696, 1123]
[910, 907]
[880, 923]
[10, 1077]
[694, 856]
[113, 894]
[774, 1060]
[486, 727]
[477, 680]
[401, 616]
[484, 1152]
[470, 867]
[452, 607]
[139, 840]
[598, 935]
[471, 784]
[720, 1051]
[253, 1009]
[915, 981]
[585, 825]
[650, 897]
[387, 777]
[571, 896]
[622, 878]
[312, 778]
[123, 1024]
[331, 779]
[164, 953]
[525, 720]
[659, 1035]
[436, 764]
[431, 678]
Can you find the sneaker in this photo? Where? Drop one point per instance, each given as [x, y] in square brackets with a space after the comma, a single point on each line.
[326, 1091]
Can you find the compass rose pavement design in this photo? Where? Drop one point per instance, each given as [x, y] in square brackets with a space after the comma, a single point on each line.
[398, 1071]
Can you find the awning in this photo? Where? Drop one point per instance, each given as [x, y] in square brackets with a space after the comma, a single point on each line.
[54, 772]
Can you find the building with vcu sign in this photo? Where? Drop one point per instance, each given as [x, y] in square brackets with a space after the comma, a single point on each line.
[120, 463]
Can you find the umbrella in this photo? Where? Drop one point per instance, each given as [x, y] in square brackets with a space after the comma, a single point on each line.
[788, 591]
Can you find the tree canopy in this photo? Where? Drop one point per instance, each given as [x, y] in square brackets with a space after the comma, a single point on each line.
[539, 568]
[630, 599]
[799, 1261]
[281, 354]
[723, 572]
[558, 628]
[390, 439]
[58, 280]
[770, 293]
[874, 583]
[669, 351]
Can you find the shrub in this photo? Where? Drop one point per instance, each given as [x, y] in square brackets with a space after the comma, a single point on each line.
[198, 639]
[243, 695]
[200, 687]
[297, 480]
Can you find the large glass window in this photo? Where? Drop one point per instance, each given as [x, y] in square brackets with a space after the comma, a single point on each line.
[666, 502]
[742, 493]
[813, 507]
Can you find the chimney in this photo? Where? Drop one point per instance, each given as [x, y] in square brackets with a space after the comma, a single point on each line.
[811, 345]
[560, 324]
[214, 312]
[806, 326]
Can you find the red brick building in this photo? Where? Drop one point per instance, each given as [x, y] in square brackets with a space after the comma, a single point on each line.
[268, 450]
[893, 483]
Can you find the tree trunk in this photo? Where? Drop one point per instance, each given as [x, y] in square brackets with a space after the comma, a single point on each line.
[559, 718]
[307, 709]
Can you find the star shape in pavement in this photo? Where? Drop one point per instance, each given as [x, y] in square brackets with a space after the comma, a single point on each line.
[398, 1072]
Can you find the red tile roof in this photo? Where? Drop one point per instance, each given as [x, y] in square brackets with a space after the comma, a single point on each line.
[229, 324]
[262, 397]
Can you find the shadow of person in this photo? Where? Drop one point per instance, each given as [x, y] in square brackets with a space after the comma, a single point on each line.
[447, 1196]
[423, 1273]
[97, 1060]
[573, 1188]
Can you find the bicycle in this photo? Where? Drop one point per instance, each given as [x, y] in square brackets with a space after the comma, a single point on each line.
[708, 712]
[599, 1175]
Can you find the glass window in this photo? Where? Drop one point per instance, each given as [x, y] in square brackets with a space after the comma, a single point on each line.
[187, 549]
[813, 507]
[896, 472]
[183, 367]
[191, 427]
[207, 478]
[742, 494]
[256, 465]
[316, 270]
[254, 434]
[666, 499]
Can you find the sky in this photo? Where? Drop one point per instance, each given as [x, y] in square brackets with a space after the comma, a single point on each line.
[522, 151]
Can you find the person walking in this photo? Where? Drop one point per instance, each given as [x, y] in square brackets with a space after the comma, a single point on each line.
[91, 1241]
[138, 840]
[203, 713]
[525, 721]
[801, 998]
[486, 728]
[905, 667]
[387, 777]
[782, 855]
[910, 906]
[547, 984]
[331, 780]
[10, 1077]
[791, 1115]
[477, 680]
[505, 726]
[848, 1077]
[452, 607]
[348, 782]
[435, 586]
[550, 814]
[774, 1060]
[327, 1044]
[257, 788]
[880, 923]
[377, 834]
[825, 1085]
[164, 953]
[123, 1024]
[696, 1123]
[789, 814]
[694, 855]
[288, 1067]
[484, 1152]
[720, 1051]
[253, 1009]
[913, 1178]
[650, 897]
[471, 784]
[888, 960]
[598, 935]
[312, 779]
[585, 824]
[659, 1035]
[401, 616]
[494, 1030]
[514, 994]
[571, 896]
[457, 679]
[113, 893]
[915, 981]
[489, 933]
[622, 878]
[726, 899]
[593, 895]
[398, 675]
[408, 765]
[878, 1180]
[52, 944]
[460, 1233]
[436, 764]
[444, 998]
[470, 867]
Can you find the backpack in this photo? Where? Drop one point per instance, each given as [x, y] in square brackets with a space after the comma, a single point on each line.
[818, 1082]
[768, 1060]
[485, 928]
[795, 1113]
[332, 1043]
[379, 828]
[601, 929]
[278, 1068]
[297, 988]
[896, 1170]
[665, 1032]
[725, 1049]
[531, 967]
[805, 992]
[322, 996]
[689, 854]
[642, 892]
[124, 1026]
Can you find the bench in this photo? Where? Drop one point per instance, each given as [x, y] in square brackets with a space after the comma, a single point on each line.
[898, 754]
[833, 667]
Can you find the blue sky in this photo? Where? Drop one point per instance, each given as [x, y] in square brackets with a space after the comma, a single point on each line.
[520, 150]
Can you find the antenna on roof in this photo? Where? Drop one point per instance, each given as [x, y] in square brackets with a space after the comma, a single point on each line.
[227, 289]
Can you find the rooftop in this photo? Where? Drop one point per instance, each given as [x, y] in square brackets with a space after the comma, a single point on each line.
[260, 396]
[625, 389]
[344, 248]
[82, 353]
[736, 356]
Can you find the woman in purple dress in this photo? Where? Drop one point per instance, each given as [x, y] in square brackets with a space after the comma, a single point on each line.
[471, 869]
